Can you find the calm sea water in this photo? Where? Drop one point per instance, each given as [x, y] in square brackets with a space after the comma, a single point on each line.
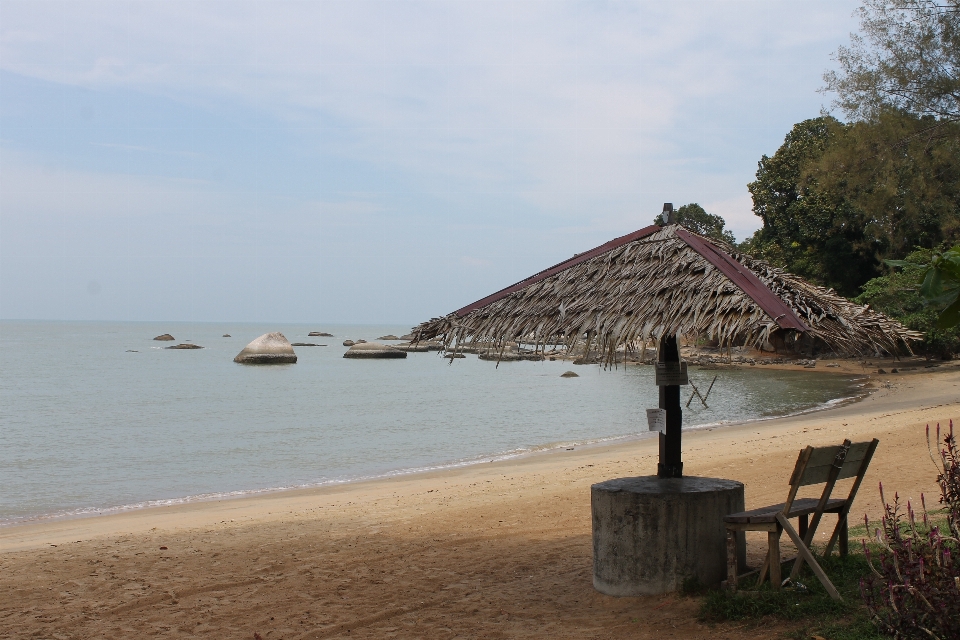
[96, 417]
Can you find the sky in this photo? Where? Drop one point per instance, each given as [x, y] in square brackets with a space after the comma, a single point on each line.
[371, 162]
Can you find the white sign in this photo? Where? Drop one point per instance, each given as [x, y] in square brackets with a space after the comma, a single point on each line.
[671, 373]
[657, 420]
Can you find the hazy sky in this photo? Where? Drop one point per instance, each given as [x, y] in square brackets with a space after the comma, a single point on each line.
[371, 161]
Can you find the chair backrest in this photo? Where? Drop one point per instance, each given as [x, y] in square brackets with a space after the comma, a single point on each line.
[817, 465]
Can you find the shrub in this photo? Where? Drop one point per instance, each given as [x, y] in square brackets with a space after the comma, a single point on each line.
[915, 593]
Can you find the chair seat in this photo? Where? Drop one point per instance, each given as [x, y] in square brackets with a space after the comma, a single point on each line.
[766, 515]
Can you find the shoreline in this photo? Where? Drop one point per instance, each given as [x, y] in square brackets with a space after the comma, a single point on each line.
[864, 390]
[22, 535]
[495, 550]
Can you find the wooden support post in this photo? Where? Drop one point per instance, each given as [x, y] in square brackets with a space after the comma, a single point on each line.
[732, 567]
[773, 559]
[671, 463]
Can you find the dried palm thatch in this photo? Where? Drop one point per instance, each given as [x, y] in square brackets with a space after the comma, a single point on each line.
[664, 281]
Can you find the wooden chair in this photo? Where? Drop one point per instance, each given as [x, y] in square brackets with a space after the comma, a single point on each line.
[821, 465]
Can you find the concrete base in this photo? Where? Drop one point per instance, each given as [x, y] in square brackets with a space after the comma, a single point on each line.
[651, 534]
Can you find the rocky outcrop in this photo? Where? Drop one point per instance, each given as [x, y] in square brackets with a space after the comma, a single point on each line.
[165, 336]
[307, 344]
[453, 355]
[373, 350]
[186, 345]
[270, 348]
[389, 336]
[348, 343]
[569, 374]
[320, 334]
[411, 347]
[226, 335]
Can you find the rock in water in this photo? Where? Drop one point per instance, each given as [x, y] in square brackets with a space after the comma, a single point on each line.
[348, 343]
[373, 350]
[270, 348]
[226, 335]
[389, 336]
[165, 336]
[569, 374]
[185, 346]
[321, 334]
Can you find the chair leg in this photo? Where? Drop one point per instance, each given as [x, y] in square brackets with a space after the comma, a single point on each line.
[773, 541]
[731, 560]
[844, 536]
[803, 526]
[839, 535]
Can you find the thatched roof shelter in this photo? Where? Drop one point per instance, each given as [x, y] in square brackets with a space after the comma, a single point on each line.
[664, 281]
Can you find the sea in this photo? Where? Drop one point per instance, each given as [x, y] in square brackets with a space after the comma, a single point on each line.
[97, 417]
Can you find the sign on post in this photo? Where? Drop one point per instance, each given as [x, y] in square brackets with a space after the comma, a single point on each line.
[657, 420]
[671, 373]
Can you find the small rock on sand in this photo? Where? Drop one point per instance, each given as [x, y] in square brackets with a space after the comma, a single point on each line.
[185, 346]
[373, 350]
[270, 348]
[569, 374]
[880, 371]
[165, 336]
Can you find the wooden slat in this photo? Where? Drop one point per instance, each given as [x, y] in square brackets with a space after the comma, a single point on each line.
[851, 464]
[801, 506]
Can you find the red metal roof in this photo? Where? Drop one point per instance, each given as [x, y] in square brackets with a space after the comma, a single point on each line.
[746, 280]
[740, 275]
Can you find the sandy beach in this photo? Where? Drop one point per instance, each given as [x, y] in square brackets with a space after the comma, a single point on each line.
[497, 550]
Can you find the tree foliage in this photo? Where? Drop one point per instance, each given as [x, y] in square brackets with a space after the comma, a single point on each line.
[694, 217]
[899, 296]
[907, 58]
[837, 199]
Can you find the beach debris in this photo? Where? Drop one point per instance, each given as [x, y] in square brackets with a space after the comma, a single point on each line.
[320, 334]
[270, 348]
[389, 336]
[307, 344]
[348, 343]
[185, 346]
[165, 336]
[569, 374]
[373, 350]
[833, 365]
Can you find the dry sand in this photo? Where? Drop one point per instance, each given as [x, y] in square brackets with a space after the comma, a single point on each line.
[498, 550]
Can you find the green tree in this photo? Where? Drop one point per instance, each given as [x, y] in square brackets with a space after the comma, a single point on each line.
[694, 217]
[907, 58]
[837, 199]
[899, 295]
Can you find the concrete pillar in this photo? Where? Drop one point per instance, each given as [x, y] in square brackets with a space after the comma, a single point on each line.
[650, 533]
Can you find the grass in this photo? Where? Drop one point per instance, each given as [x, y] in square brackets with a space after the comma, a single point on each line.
[810, 606]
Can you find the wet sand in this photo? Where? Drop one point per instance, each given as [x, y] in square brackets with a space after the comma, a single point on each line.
[498, 550]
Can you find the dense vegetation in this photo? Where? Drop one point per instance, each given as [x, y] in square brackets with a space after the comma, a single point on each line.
[839, 200]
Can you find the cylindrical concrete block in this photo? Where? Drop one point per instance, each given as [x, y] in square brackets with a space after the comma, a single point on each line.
[650, 534]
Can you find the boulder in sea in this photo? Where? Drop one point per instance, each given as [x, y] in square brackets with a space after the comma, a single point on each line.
[361, 341]
[226, 335]
[165, 336]
[348, 343]
[389, 336]
[407, 337]
[320, 334]
[569, 374]
[307, 344]
[453, 355]
[270, 348]
[373, 350]
[414, 347]
[185, 346]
